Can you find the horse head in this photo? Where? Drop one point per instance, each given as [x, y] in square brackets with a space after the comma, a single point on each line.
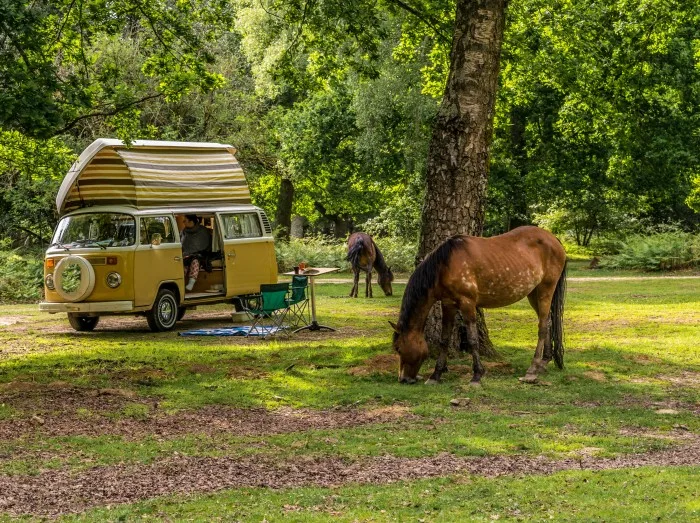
[385, 279]
[413, 351]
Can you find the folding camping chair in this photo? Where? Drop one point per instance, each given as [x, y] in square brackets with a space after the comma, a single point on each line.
[300, 312]
[268, 310]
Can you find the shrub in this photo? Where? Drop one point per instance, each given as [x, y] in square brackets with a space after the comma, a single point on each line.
[656, 252]
[21, 275]
[320, 251]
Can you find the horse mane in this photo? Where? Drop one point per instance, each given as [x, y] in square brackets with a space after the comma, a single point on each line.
[424, 278]
[379, 261]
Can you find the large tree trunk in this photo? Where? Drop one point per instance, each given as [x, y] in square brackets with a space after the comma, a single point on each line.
[298, 224]
[283, 216]
[458, 159]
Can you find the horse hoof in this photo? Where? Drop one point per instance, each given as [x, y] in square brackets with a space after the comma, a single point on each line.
[431, 381]
[529, 378]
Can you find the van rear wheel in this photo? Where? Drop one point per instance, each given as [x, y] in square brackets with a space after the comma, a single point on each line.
[163, 315]
[82, 323]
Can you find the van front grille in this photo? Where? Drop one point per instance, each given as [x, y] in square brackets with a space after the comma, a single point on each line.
[266, 223]
[98, 261]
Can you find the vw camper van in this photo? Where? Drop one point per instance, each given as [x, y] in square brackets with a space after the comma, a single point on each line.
[117, 247]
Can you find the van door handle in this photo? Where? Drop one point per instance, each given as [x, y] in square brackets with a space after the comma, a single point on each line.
[177, 258]
[231, 255]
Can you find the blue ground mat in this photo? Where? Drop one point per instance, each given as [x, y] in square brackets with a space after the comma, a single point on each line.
[231, 331]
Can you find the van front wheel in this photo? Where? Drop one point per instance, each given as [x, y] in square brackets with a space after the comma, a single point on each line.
[82, 323]
[163, 315]
[181, 312]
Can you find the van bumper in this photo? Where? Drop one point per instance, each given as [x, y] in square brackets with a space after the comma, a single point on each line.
[95, 306]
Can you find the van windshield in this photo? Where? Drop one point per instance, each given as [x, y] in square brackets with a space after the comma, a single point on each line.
[101, 230]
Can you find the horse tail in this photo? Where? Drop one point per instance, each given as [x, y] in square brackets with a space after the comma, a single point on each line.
[354, 252]
[556, 324]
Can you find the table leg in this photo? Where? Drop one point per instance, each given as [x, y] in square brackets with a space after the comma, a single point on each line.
[314, 325]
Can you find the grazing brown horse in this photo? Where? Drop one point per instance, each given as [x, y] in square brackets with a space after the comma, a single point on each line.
[466, 272]
[363, 254]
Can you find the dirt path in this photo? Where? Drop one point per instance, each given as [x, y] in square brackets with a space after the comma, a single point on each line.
[102, 418]
[62, 491]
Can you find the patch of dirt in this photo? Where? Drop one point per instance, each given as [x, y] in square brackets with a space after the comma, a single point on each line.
[380, 364]
[595, 375]
[82, 412]
[634, 401]
[678, 434]
[11, 320]
[686, 378]
[56, 492]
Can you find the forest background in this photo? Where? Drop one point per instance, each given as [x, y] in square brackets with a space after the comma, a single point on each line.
[331, 106]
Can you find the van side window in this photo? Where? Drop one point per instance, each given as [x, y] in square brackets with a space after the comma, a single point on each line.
[241, 225]
[151, 226]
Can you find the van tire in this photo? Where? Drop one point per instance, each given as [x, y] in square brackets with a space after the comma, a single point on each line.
[83, 323]
[181, 312]
[163, 316]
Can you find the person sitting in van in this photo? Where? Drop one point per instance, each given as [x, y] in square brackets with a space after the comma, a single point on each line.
[196, 241]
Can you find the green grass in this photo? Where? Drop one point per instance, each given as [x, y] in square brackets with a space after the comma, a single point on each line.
[631, 350]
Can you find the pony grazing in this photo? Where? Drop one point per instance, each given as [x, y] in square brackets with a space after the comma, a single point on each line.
[466, 272]
[363, 254]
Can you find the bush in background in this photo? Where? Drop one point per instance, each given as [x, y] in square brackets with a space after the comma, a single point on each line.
[656, 252]
[21, 276]
[321, 251]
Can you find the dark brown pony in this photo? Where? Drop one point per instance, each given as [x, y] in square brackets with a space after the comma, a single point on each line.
[363, 254]
[466, 272]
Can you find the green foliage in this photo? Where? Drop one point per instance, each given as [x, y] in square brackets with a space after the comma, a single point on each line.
[399, 253]
[21, 276]
[59, 64]
[657, 252]
[316, 251]
[30, 173]
[320, 251]
[598, 112]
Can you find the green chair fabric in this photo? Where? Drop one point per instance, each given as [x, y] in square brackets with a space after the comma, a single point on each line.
[270, 308]
[300, 312]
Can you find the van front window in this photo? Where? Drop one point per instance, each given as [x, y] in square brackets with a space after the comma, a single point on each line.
[95, 230]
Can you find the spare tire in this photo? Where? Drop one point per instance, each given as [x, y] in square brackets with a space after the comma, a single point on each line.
[74, 278]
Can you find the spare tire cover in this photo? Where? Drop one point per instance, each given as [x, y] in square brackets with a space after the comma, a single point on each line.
[74, 278]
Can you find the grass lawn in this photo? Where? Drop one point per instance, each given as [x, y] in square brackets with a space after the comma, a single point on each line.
[122, 404]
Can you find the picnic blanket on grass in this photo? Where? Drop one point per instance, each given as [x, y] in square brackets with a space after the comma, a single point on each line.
[232, 331]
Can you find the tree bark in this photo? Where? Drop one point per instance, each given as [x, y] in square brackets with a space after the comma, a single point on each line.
[283, 216]
[297, 230]
[458, 159]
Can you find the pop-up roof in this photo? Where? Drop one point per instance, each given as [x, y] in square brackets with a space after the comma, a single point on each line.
[153, 174]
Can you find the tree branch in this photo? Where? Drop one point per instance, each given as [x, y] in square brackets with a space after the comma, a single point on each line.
[111, 112]
[425, 18]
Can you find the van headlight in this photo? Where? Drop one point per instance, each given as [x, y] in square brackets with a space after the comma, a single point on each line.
[49, 282]
[114, 280]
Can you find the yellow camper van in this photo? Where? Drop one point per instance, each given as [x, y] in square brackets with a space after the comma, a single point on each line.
[117, 247]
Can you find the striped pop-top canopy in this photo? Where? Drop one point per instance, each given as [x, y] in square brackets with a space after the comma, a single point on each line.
[153, 174]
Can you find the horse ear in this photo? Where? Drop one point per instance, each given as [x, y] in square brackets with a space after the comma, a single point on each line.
[394, 326]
